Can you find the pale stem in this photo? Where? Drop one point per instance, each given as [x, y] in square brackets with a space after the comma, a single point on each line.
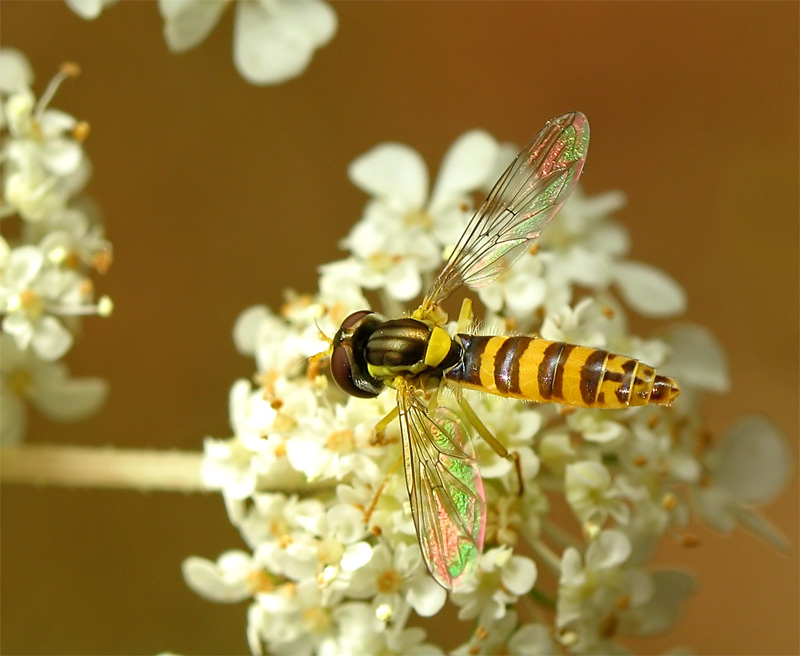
[106, 467]
[558, 534]
[82, 466]
[545, 553]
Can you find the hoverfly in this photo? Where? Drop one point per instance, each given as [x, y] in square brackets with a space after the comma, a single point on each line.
[416, 355]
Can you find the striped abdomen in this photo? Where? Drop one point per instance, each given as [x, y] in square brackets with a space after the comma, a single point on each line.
[539, 370]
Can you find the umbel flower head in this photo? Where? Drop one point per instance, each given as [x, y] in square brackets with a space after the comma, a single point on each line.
[45, 268]
[334, 565]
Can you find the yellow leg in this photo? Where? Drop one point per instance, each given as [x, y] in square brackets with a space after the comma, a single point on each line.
[380, 427]
[491, 440]
[373, 504]
[465, 317]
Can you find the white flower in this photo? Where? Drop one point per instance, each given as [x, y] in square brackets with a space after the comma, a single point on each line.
[73, 242]
[404, 230]
[591, 591]
[279, 347]
[649, 290]
[27, 290]
[229, 466]
[302, 618]
[44, 162]
[410, 641]
[592, 495]
[586, 324]
[750, 468]
[506, 636]
[520, 290]
[47, 386]
[15, 72]
[89, 9]
[228, 580]
[657, 611]
[512, 423]
[340, 290]
[500, 579]
[391, 578]
[274, 40]
[696, 358]
[332, 445]
[579, 576]
[532, 640]
[582, 243]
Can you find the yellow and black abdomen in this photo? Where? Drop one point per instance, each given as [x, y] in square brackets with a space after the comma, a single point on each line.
[535, 369]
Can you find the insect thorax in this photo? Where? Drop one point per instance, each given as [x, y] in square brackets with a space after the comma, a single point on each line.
[410, 347]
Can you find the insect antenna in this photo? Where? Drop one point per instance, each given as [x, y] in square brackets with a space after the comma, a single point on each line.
[318, 361]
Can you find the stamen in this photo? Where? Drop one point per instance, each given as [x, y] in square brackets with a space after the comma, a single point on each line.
[80, 131]
[68, 69]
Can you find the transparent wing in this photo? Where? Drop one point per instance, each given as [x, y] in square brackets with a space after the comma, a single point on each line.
[521, 203]
[445, 488]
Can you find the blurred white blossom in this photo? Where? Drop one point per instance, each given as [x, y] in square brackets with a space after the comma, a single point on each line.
[337, 569]
[53, 247]
[27, 379]
[89, 9]
[273, 40]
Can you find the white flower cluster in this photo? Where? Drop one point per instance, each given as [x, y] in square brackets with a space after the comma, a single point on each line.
[274, 40]
[336, 568]
[44, 270]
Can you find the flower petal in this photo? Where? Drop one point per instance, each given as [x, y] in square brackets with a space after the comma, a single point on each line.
[405, 282]
[697, 359]
[393, 172]
[754, 461]
[648, 290]
[246, 329]
[15, 71]
[611, 548]
[317, 18]
[212, 581]
[188, 22]
[466, 166]
[425, 596]
[50, 339]
[69, 399]
[519, 575]
[270, 46]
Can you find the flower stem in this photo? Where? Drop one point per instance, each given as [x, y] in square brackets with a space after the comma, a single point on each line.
[81, 466]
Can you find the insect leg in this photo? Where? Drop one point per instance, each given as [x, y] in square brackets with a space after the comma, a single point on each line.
[371, 508]
[465, 317]
[491, 440]
[380, 427]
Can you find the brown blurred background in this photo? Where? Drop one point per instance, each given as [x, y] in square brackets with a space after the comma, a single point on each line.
[218, 195]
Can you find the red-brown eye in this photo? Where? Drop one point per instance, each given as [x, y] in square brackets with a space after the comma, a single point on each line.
[347, 360]
[353, 319]
[342, 373]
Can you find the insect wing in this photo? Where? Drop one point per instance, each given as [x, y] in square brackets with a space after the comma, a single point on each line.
[445, 488]
[519, 206]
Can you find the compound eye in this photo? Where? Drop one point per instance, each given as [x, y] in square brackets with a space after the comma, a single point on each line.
[354, 318]
[342, 372]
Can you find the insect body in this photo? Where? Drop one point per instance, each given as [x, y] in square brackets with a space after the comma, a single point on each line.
[416, 354]
[525, 367]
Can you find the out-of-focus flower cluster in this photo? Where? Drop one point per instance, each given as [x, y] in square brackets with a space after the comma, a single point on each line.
[335, 566]
[273, 40]
[45, 267]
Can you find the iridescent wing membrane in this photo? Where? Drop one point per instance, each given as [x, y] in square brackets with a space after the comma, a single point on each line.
[519, 206]
[445, 488]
